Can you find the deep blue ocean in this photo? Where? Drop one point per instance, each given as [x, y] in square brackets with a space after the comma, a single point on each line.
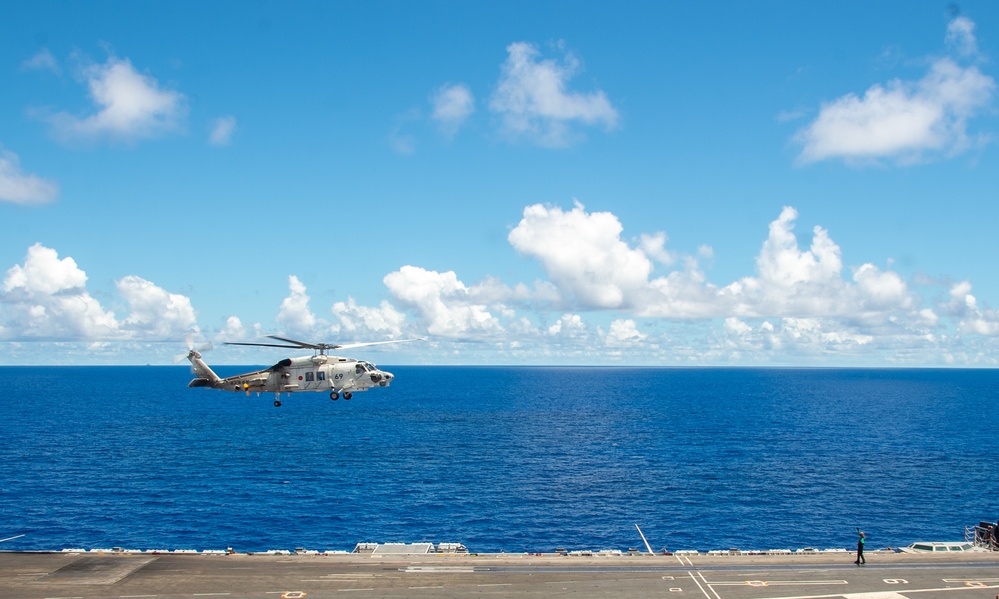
[512, 459]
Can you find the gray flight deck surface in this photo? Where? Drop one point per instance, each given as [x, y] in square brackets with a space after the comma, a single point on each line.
[167, 576]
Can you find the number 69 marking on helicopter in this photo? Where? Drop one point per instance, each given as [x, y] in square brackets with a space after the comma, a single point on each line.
[319, 372]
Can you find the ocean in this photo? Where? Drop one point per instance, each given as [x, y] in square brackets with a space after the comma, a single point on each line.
[500, 458]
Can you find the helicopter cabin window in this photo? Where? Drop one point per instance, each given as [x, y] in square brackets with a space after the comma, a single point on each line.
[320, 376]
[309, 377]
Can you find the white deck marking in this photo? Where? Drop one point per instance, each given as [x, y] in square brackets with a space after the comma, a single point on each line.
[775, 583]
[694, 578]
[886, 594]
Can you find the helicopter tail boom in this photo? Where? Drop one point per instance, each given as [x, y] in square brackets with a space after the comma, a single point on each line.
[206, 377]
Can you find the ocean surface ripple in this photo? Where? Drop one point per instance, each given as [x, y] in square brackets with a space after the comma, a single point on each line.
[500, 458]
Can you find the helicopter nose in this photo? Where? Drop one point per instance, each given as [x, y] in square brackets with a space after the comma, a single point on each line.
[388, 376]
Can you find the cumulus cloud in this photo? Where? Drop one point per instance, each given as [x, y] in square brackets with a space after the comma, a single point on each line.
[792, 281]
[593, 268]
[801, 303]
[446, 306]
[222, 130]
[452, 105]
[128, 105]
[533, 101]
[367, 322]
[233, 329]
[294, 314]
[154, 312]
[972, 318]
[19, 187]
[583, 254]
[46, 298]
[905, 121]
[791, 337]
[624, 332]
[568, 326]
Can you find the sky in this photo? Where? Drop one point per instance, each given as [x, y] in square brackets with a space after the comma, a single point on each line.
[769, 183]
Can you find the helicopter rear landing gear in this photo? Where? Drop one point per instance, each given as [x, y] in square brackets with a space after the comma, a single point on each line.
[277, 402]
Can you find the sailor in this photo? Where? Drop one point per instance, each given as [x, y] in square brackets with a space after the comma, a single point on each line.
[860, 548]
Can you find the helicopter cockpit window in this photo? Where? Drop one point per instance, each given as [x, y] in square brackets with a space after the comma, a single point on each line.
[359, 369]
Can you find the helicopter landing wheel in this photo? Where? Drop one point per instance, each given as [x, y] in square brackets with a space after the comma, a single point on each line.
[277, 403]
[346, 395]
[334, 395]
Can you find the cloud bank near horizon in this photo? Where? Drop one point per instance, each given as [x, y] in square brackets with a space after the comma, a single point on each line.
[603, 297]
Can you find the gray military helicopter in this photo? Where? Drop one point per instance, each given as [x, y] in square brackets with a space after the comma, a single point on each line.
[319, 372]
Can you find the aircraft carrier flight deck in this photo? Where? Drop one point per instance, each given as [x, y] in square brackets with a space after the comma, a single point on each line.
[817, 575]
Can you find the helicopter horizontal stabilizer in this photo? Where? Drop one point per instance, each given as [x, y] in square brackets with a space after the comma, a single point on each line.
[200, 383]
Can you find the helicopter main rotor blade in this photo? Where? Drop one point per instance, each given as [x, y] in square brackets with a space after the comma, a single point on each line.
[264, 345]
[321, 347]
[302, 343]
[364, 344]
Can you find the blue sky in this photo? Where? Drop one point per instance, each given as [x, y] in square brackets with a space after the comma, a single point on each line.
[727, 183]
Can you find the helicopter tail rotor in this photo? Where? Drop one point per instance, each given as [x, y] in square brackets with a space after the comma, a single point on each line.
[192, 351]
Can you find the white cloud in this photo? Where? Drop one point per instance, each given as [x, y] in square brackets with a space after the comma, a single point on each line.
[222, 131]
[569, 326]
[880, 291]
[129, 106]
[583, 254]
[233, 330]
[799, 307]
[445, 306]
[592, 268]
[46, 299]
[366, 322]
[972, 319]
[42, 61]
[452, 105]
[532, 99]
[624, 333]
[294, 314]
[961, 36]
[654, 246]
[792, 337]
[904, 121]
[21, 188]
[44, 274]
[155, 313]
[791, 281]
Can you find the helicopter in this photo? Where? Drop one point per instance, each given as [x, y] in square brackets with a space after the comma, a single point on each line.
[319, 372]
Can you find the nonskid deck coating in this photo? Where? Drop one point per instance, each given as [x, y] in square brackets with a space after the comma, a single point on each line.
[807, 576]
